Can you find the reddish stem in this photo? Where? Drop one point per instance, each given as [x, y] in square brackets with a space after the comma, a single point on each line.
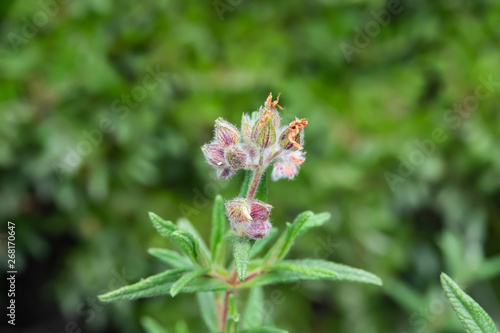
[255, 182]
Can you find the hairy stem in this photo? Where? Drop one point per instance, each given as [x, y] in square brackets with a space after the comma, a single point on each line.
[223, 311]
[255, 182]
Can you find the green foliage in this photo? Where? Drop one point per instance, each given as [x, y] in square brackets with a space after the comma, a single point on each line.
[233, 317]
[264, 330]
[151, 326]
[185, 279]
[218, 231]
[172, 258]
[208, 308]
[254, 312]
[471, 314]
[241, 251]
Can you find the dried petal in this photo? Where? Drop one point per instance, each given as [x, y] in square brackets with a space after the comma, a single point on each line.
[294, 129]
[285, 141]
[226, 133]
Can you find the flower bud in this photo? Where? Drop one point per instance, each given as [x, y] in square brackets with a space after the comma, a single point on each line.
[214, 154]
[236, 157]
[226, 133]
[258, 230]
[285, 141]
[246, 128]
[249, 217]
[225, 173]
[264, 134]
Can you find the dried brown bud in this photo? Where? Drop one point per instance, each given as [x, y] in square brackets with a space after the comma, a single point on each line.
[294, 129]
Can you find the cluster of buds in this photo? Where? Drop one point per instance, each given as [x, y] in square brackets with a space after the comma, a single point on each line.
[261, 142]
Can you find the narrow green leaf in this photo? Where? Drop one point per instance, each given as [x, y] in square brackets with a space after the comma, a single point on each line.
[185, 279]
[208, 308]
[260, 244]
[302, 223]
[471, 314]
[172, 258]
[255, 314]
[342, 273]
[217, 241]
[155, 285]
[313, 271]
[151, 326]
[186, 243]
[201, 254]
[184, 239]
[264, 330]
[246, 183]
[204, 284]
[164, 228]
[242, 247]
[186, 225]
[261, 192]
[233, 317]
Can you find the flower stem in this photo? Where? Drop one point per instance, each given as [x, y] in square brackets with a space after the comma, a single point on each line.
[255, 182]
[224, 310]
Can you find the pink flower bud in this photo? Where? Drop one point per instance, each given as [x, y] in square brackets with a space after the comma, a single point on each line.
[249, 217]
[287, 166]
[258, 230]
[226, 133]
[225, 173]
[236, 157]
[214, 154]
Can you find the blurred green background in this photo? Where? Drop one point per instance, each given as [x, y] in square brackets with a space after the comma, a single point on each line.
[81, 163]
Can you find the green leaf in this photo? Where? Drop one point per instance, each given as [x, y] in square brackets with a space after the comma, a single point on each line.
[186, 243]
[204, 284]
[264, 330]
[217, 241]
[151, 326]
[472, 316]
[255, 314]
[181, 327]
[184, 239]
[260, 244]
[302, 223]
[155, 285]
[171, 258]
[280, 275]
[208, 308]
[309, 270]
[202, 251]
[246, 183]
[201, 254]
[185, 279]
[233, 317]
[242, 247]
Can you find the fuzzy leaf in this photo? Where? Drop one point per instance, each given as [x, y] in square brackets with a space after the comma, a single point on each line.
[186, 225]
[208, 308]
[261, 243]
[280, 275]
[186, 243]
[184, 239]
[246, 183]
[472, 316]
[217, 241]
[155, 285]
[302, 223]
[255, 314]
[151, 326]
[317, 272]
[233, 317]
[185, 279]
[171, 258]
[242, 247]
[264, 330]
[204, 284]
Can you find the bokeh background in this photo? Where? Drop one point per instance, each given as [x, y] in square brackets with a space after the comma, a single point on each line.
[88, 147]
